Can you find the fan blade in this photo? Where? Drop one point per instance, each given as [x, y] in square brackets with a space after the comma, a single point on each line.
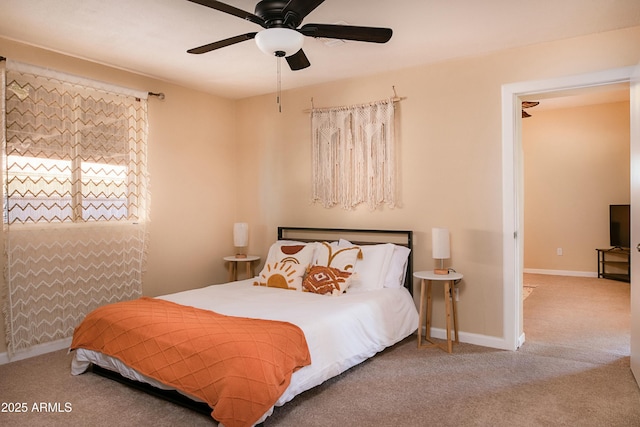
[222, 7]
[525, 114]
[529, 104]
[296, 10]
[298, 61]
[348, 32]
[222, 43]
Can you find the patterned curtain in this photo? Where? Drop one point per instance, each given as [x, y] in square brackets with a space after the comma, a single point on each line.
[75, 200]
[353, 156]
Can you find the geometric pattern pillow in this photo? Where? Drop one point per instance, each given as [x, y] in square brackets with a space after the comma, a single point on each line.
[284, 275]
[326, 280]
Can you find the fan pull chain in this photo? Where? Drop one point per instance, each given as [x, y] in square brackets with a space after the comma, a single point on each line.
[279, 84]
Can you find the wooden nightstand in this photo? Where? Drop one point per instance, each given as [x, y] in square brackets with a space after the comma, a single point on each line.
[233, 265]
[451, 308]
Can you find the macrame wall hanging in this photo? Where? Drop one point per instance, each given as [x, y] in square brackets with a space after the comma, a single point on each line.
[353, 155]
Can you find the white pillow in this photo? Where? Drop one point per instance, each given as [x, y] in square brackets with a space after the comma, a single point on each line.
[397, 272]
[397, 268]
[371, 271]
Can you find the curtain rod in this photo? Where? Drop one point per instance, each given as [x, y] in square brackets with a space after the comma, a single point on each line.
[394, 99]
[160, 95]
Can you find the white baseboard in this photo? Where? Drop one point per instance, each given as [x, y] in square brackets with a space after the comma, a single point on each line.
[475, 339]
[36, 350]
[521, 340]
[561, 272]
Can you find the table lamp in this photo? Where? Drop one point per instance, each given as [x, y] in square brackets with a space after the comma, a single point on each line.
[240, 238]
[441, 248]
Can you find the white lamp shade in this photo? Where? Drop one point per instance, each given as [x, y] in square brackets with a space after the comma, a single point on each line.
[440, 243]
[240, 234]
[272, 40]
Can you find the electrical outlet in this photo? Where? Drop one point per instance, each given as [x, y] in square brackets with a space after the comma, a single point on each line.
[457, 294]
[559, 251]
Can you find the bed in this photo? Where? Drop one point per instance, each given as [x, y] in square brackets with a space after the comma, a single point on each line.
[348, 295]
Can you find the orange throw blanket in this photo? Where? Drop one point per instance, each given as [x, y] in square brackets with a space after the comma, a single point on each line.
[239, 366]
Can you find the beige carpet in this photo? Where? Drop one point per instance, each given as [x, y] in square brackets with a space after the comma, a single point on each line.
[572, 371]
[527, 290]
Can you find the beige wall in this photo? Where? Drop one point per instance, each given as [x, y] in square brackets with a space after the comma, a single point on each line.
[451, 165]
[576, 163]
[214, 161]
[192, 161]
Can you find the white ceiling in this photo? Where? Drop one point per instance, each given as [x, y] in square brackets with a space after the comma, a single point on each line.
[151, 36]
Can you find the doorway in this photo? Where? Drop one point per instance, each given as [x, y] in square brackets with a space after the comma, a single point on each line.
[512, 185]
[575, 164]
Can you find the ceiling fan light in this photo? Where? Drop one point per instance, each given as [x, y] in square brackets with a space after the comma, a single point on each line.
[274, 40]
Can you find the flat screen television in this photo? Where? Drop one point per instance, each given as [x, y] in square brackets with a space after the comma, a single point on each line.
[620, 226]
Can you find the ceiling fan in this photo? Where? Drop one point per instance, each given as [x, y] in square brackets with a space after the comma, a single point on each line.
[282, 35]
[528, 104]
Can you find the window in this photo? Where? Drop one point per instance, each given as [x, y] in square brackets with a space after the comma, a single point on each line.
[70, 154]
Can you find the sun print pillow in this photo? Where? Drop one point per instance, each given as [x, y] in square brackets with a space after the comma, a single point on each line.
[291, 251]
[326, 280]
[299, 254]
[283, 275]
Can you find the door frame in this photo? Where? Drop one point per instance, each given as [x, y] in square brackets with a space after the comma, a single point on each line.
[634, 109]
[513, 185]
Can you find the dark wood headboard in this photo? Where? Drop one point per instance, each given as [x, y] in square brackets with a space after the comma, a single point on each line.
[356, 236]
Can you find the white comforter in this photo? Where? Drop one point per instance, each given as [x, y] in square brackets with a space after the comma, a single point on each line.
[340, 331]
